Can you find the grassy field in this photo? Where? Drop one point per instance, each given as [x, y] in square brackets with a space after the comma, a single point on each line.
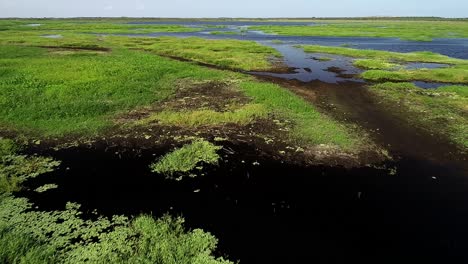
[87, 26]
[407, 30]
[56, 93]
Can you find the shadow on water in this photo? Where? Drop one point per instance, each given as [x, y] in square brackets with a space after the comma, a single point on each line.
[278, 213]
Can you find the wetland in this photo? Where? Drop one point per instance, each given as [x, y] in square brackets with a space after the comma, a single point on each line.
[225, 141]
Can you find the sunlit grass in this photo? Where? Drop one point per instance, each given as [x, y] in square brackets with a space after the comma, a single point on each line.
[183, 160]
[57, 94]
[241, 116]
[232, 54]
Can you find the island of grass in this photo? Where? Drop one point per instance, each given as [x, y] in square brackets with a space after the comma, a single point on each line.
[389, 66]
[409, 30]
[441, 111]
[185, 159]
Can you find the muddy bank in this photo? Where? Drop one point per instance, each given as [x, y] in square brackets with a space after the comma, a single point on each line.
[264, 210]
[352, 102]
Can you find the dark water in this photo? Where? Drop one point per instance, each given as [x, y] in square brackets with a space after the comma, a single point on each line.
[313, 66]
[277, 213]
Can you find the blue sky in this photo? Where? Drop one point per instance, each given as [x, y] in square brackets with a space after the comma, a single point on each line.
[238, 8]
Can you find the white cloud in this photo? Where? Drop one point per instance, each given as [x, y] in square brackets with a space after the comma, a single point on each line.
[108, 7]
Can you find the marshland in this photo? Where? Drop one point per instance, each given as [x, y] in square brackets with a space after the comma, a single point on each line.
[233, 140]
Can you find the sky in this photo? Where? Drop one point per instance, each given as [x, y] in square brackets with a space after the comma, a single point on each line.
[232, 8]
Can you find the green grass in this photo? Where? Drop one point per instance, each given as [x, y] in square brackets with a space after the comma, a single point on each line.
[90, 26]
[408, 30]
[310, 126]
[185, 159]
[242, 116]
[384, 65]
[422, 56]
[231, 54]
[62, 94]
[225, 33]
[443, 75]
[374, 64]
[442, 111]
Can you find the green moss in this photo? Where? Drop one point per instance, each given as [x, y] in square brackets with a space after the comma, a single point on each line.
[184, 160]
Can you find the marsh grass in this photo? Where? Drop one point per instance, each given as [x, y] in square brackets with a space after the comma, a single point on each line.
[445, 75]
[408, 30]
[62, 94]
[180, 162]
[441, 111]
[385, 65]
[373, 64]
[207, 117]
[91, 26]
[230, 54]
[421, 56]
[310, 126]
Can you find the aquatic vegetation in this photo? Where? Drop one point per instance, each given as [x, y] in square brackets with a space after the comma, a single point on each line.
[31, 236]
[408, 30]
[185, 159]
[16, 169]
[441, 111]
